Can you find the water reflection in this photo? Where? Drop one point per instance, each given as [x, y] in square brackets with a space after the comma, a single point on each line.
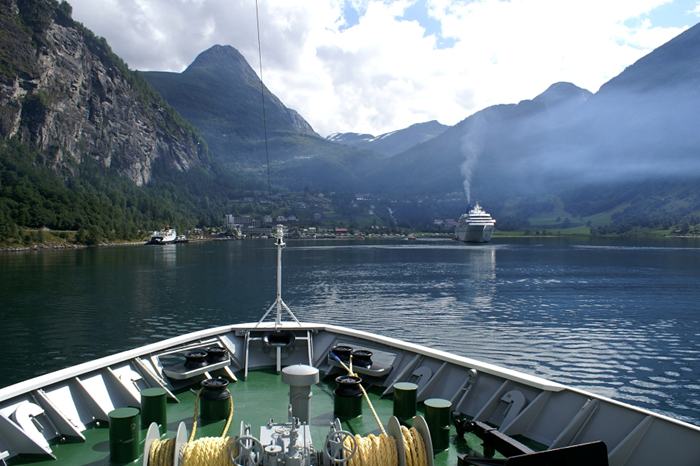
[167, 254]
[621, 320]
[481, 273]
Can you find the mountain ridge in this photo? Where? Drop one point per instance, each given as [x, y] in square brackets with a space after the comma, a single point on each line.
[393, 142]
[89, 145]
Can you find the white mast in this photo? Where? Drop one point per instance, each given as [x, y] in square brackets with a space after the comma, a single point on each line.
[279, 303]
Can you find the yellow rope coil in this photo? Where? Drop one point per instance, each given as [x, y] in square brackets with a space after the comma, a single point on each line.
[373, 450]
[381, 450]
[161, 452]
[414, 447]
[207, 451]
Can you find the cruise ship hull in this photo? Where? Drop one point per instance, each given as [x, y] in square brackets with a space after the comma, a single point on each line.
[474, 233]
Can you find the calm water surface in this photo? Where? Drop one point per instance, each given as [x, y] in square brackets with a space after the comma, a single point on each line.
[618, 318]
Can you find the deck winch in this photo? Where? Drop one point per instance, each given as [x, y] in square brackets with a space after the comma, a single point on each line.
[342, 352]
[362, 358]
[216, 354]
[347, 399]
[214, 400]
[196, 359]
[290, 443]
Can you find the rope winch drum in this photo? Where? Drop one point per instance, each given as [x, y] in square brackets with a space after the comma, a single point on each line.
[205, 451]
[402, 446]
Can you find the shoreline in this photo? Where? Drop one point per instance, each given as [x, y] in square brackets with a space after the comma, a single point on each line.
[37, 247]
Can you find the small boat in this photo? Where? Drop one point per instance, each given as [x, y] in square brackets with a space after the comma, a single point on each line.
[376, 400]
[166, 236]
[181, 239]
[476, 226]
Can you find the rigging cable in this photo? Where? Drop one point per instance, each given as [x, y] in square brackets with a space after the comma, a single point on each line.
[262, 98]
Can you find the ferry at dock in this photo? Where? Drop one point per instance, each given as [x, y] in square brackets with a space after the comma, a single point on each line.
[166, 236]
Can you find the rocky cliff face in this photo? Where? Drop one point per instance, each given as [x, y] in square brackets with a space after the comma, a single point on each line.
[65, 93]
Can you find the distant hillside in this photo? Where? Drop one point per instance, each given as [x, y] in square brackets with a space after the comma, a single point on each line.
[394, 142]
[219, 93]
[88, 146]
[351, 139]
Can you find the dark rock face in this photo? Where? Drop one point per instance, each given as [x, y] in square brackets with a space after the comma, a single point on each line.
[63, 92]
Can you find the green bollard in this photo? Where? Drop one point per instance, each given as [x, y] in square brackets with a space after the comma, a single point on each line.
[215, 400]
[123, 435]
[437, 416]
[405, 401]
[153, 409]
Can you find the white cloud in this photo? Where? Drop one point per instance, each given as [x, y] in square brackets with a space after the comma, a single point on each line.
[696, 10]
[385, 73]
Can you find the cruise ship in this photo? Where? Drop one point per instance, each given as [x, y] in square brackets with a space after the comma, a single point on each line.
[475, 227]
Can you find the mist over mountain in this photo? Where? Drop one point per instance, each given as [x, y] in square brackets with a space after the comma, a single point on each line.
[394, 142]
[492, 139]
[627, 155]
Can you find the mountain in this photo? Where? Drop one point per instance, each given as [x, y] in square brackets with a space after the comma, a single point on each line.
[674, 64]
[394, 142]
[220, 95]
[86, 144]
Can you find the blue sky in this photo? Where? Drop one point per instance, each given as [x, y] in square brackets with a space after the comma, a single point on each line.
[675, 13]
[417, 11]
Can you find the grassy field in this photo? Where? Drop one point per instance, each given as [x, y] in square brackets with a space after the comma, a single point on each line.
[582, 231]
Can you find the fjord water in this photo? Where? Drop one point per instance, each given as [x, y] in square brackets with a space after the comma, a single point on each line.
[620, 319]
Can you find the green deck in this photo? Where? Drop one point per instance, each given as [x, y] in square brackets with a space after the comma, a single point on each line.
[262, 396]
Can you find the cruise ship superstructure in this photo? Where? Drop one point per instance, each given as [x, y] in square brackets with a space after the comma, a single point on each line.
[476, 226]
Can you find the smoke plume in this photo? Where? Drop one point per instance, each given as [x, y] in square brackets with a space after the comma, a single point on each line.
[472, 144]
